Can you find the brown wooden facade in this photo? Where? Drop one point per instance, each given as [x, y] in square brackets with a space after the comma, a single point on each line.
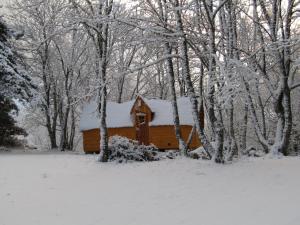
[162, 136]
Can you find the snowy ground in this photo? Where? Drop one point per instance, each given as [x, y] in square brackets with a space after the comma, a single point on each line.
[69, 189]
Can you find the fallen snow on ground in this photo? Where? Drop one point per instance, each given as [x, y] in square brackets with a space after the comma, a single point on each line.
[69, 189]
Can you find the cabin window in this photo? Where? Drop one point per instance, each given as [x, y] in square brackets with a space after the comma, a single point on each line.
[141, 119]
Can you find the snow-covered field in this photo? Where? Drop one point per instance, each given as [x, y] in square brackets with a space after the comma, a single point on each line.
[70, 189]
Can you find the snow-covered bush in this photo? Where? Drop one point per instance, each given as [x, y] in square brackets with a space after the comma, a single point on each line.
[123, 150]
[171, 154]
[3, 149]
[199, 153]
[253, 152]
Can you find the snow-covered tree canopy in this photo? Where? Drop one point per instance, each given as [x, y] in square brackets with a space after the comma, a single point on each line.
[15, 82]
[236, 60]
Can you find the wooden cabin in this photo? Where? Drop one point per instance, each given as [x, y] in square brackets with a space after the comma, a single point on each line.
[149, 121]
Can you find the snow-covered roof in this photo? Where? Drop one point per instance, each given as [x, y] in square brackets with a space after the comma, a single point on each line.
[164, 113]
[118, 115]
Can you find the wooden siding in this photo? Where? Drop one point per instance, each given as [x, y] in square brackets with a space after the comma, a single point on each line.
[164, 137]
[161, 136]
[91, 138]
[141, 127]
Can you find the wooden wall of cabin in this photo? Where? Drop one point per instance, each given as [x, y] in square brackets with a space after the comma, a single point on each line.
[161, 136]
[164, 137]
[91, 141]
[91, 138]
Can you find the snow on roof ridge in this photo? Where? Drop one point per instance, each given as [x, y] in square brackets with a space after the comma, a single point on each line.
[118, 114]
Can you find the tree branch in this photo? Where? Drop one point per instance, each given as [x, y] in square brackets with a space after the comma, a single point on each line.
[295, 86]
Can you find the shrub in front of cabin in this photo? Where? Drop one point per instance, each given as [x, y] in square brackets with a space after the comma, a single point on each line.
[123, 150]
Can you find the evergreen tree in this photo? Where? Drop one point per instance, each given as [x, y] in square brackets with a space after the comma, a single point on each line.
[8, 126]
[15, 83]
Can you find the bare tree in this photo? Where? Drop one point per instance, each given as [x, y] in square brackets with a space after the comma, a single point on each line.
[98, 28]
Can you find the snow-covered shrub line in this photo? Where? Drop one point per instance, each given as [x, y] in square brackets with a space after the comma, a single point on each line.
[124, 150]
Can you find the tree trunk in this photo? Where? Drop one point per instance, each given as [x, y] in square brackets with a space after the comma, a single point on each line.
[188, 82]
[102, 38]
[171, 75]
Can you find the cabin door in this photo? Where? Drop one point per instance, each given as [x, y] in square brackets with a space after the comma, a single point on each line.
[142, 129]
